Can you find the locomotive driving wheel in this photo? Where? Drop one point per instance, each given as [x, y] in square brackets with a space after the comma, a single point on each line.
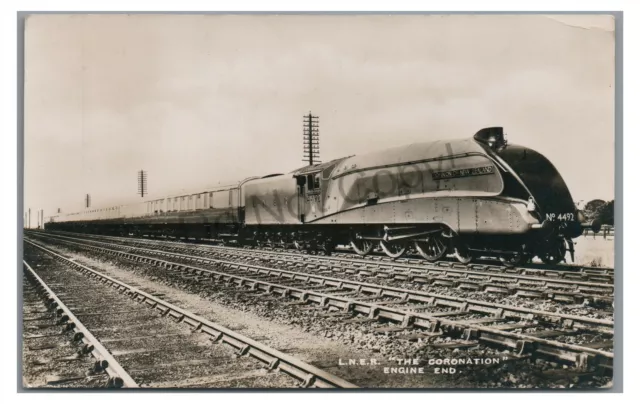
[362, 247]
[512, 260]
[462, 253]
[555, 252]
[394, 249]
[432, 248]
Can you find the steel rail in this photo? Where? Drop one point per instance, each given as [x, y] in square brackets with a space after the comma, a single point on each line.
[570, 277]
[467, 277]
[384, 260]
[119, 376]
[374, 289]
[308, 374]
[521, 343]
[561, 268]
[418, 273]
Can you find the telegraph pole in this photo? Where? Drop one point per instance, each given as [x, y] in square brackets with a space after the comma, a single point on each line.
[142, 183]
[29, 218]
[87, 201]
[311, 139]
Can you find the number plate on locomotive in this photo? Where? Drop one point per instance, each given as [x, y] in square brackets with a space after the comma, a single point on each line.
[560, 217]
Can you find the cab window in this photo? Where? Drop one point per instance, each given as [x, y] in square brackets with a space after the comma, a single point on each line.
[313, 182]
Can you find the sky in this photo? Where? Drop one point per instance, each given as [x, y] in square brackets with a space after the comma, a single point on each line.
[198, 100]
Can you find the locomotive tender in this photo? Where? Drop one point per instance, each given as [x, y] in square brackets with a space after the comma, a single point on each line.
[478, 197]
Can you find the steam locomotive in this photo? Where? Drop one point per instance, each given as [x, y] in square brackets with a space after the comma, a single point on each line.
[474, 197]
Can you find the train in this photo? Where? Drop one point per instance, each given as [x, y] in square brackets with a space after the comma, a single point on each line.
[471, 198]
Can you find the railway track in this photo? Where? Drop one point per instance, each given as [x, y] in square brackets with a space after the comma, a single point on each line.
[117, 321]
[552, 270]
[584, 342]
[58, 349]
[597, 291]
[569, 272]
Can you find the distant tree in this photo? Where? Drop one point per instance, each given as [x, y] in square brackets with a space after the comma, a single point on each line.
[592, 208]
[606, 213]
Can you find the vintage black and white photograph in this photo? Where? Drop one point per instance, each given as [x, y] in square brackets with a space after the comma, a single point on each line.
[302, 201]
